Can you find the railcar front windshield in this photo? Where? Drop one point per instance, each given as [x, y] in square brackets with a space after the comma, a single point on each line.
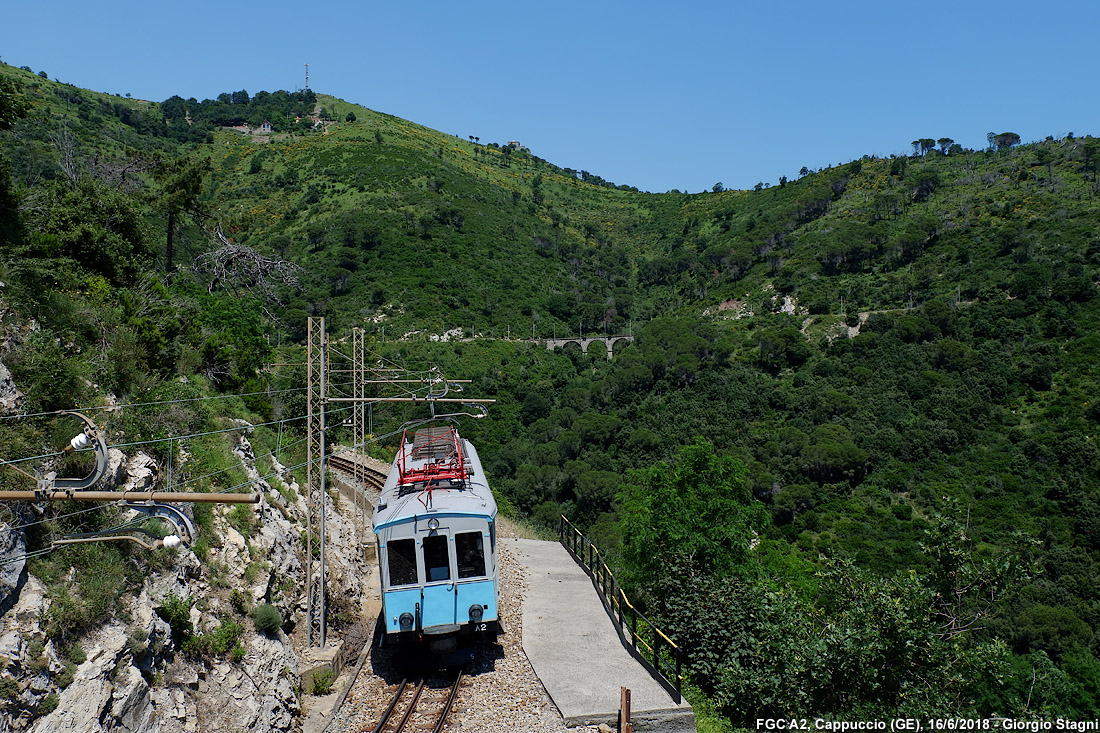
[402, 561]
[471, 554]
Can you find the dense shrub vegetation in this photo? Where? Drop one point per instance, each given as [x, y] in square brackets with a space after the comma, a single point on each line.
[849, 459]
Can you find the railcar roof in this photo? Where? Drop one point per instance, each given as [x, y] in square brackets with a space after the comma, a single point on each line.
[474, 500]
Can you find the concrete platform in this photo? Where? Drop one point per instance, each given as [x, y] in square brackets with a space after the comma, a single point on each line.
[576, 652]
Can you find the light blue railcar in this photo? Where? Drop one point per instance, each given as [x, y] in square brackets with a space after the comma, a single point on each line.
[435, 524]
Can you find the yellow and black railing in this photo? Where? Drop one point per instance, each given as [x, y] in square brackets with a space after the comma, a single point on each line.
[641, 637]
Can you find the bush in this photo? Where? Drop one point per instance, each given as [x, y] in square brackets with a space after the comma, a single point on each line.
[224, 638]
[176, 612]
[76, 653]
[240, 517]
[49, 704]
[38, 661]
[239, 601]
[267, 618]
[220, 642]
[136, 642]
[65, 677]
[322, 681]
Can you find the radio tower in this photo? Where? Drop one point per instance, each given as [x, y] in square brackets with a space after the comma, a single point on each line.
[307, 77]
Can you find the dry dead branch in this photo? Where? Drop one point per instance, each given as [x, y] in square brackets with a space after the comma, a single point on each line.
[238, 268]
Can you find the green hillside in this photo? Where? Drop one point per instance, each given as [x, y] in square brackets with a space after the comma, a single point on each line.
[883, 372]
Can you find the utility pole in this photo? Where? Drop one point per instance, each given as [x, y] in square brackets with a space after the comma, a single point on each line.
[316, 365]
[359, 431]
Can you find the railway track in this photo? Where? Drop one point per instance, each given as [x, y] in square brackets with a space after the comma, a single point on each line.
[415, 703]
[371, 476]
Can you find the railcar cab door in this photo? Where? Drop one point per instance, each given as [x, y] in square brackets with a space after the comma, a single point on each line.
[439, 586]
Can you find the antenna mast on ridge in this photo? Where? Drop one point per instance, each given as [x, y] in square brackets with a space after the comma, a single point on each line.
[307, 77]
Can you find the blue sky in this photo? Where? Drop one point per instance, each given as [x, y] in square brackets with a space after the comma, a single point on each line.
[658, 95]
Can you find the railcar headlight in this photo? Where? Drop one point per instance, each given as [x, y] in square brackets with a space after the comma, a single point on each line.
[433, 524]
[406, 620]
[475, 612]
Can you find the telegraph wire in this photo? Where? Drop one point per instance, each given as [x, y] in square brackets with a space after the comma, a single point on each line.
[275, 474]
[250, 482]
[270, 454]
[90, 408]
[13, 461]
[182, 400]
[248, 426]
[12, 527]
[174, 487]
[162, 440]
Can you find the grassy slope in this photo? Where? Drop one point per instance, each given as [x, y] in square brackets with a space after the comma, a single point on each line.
[438, 226]
[435, 226]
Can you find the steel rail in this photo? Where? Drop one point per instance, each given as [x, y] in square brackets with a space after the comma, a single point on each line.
[412, 707]
[389, 708]
[373, 476]
[450, 703]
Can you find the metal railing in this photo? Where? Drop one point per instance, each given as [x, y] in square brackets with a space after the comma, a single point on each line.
[641, 637]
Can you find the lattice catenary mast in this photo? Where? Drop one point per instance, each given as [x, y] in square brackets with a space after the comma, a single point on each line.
[316, 364]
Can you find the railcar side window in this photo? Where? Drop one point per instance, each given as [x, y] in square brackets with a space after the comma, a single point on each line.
[437, 561]
[471, 554]
[402, 556]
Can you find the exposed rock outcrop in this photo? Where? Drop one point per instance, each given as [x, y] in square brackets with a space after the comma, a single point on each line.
[11, 399]
[13, 551]
[135, 675]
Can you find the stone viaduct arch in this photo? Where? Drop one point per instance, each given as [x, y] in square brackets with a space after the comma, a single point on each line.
[611, 342]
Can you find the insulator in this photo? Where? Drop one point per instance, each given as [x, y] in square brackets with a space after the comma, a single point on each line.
[77, 443]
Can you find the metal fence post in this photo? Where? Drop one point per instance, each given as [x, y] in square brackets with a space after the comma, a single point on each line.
[679, 663]
[625, 726]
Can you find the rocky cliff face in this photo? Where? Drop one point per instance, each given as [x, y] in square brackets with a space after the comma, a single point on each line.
[138, 675]
[13, 548]
[12, 543]
[11, 399]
